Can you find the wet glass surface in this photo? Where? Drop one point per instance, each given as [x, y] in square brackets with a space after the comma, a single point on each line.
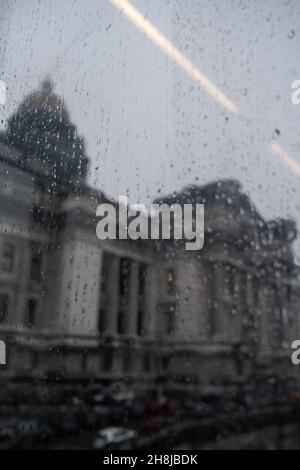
[149, 202]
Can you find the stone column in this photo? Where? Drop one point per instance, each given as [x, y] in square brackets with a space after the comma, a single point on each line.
[190, 324]
[264, 321]
[202, 288]
[79, 288]
[112, 296]
[24, 260]
[219, 303]
[236, 315]
[292, 327]
[149, 302]
[132, 308]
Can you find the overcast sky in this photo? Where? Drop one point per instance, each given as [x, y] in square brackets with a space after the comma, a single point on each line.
[148, 126]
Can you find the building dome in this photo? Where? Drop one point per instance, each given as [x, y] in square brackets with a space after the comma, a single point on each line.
[41, 129]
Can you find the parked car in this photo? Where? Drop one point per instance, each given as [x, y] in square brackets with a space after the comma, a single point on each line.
[7, 438]
[136, 406]
[153, 423]
[27, 426]
[170, 406]
[121, 438]
[69, 424]
[64, 423]
[123, 396]
[102, 398]
[99, 416]
[281, 398]
[255, 399]
[199, 409]
[215, 400]
[157, 404]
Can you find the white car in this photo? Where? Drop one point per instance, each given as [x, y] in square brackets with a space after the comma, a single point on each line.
[114, 436]
[7, 437]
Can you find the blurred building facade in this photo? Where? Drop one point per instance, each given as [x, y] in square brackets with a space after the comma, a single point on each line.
[76, 307]
[234, 304]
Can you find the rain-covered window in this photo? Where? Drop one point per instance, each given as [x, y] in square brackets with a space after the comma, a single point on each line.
[149, 224]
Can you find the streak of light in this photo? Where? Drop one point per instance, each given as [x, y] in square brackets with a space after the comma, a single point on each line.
[173, 53]
[287, 159]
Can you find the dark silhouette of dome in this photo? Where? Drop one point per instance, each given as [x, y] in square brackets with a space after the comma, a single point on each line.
[40, 128]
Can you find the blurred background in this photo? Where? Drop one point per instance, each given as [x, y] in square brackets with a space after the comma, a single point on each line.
[117, 342]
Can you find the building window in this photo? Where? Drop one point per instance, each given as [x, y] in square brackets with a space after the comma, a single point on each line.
[83, 360]
[126, 361]
[277, 296]
[8, 257]
[36, 262]
[123, 293]
[170, 321]
[4, 299]
[289, 295]
[121, 322]
[244, 293]
[147, 362]
[230, 285]
[107, 360]
[102, 319]
[104, 273]
[212, 280]
[255, 287]
[171, 278]
[165, 362]
[141, 298]
[34, 359]
[124, 276]
[30, 315]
